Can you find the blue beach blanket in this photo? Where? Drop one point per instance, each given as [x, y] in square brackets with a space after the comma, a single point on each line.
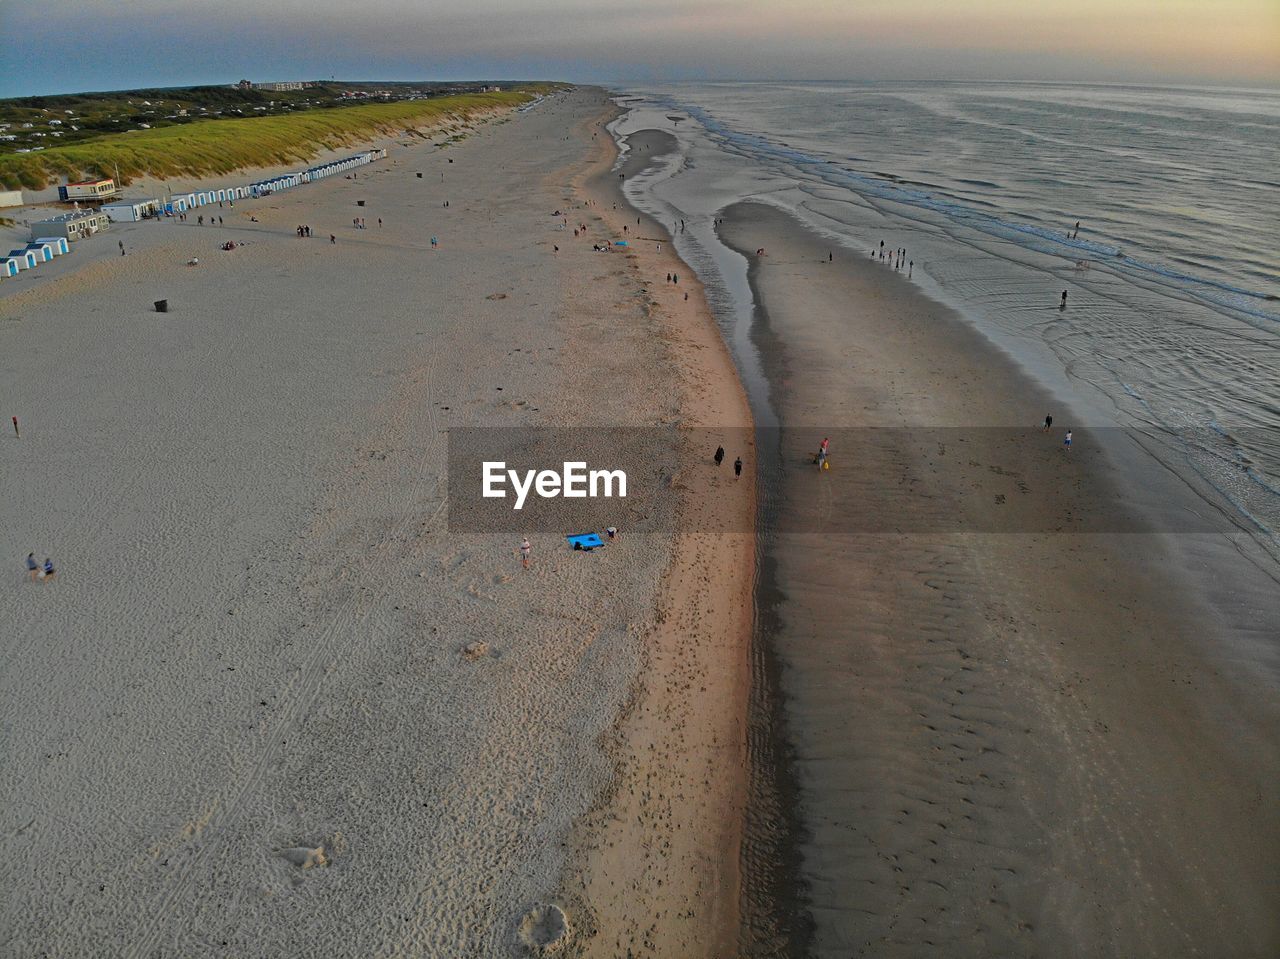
[585, 541]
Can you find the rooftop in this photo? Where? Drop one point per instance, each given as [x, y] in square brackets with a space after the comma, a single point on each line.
[67, 217]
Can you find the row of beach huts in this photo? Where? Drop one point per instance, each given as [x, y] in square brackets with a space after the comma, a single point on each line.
[33, 254]
[52, 237]
[128, 211]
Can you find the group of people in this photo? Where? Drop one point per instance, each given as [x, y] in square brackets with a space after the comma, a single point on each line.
[1048, 425]
[737, 463]
[303, 231]
[896, 258]
[525, 549]
[40, 571]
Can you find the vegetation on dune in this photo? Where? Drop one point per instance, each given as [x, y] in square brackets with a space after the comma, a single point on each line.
[212, 147]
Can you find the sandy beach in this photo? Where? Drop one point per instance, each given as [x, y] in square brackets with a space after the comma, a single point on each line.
[272, 704]
[1013, 739]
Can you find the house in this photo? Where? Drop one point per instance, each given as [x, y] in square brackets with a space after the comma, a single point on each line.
[76, 225]
[88, 190]
[130, 211]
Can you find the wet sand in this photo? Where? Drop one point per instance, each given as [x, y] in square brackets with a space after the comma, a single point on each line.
[1003, 743]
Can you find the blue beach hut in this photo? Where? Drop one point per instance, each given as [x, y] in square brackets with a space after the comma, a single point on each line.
[58, 243]
[43, 251]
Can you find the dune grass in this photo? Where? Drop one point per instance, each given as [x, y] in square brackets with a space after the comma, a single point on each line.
[212, 147]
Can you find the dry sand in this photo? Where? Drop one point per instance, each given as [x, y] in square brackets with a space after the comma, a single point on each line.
[658, 863]
[271, 705]
[1004, 744]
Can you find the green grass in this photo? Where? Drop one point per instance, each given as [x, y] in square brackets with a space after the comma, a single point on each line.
[212, 147]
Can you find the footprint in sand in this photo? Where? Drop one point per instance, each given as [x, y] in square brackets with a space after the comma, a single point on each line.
[544, 929]
[304, 857]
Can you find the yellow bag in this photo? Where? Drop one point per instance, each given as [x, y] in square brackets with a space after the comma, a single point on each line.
[826, 465]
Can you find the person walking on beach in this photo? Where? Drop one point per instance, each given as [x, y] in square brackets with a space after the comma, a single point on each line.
[32, 566]
[47, 572]
[719, 455]
[1066, 441]
[1063, 304]
[737, 467]
[332, 238]
[525, 550]
[1048, 422]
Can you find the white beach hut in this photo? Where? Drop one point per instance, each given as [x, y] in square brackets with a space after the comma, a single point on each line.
[10, 266]
[59, 244]
[43, 251]
[27, 259]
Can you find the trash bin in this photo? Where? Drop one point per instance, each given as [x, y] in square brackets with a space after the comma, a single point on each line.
[162, 306]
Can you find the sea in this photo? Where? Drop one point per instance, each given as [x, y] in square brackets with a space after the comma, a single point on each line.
[1172, 274]
[1157, 209]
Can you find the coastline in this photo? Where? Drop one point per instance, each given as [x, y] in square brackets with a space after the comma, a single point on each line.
[1024, 705]
[657, 863]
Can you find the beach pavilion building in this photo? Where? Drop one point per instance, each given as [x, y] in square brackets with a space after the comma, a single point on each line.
[131, 211]
[76, 225]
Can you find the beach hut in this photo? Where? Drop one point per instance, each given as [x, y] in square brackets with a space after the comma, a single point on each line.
[10, 266]
[43, 251]
[27, 259]
[59, 245]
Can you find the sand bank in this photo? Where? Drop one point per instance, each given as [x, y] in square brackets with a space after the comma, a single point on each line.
[272, 704]
[1003, 743]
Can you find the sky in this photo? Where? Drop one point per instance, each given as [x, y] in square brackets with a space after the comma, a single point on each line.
[61, 46]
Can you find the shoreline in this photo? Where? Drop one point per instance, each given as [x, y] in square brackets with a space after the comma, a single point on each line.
[679, 897]
[1121, 729]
